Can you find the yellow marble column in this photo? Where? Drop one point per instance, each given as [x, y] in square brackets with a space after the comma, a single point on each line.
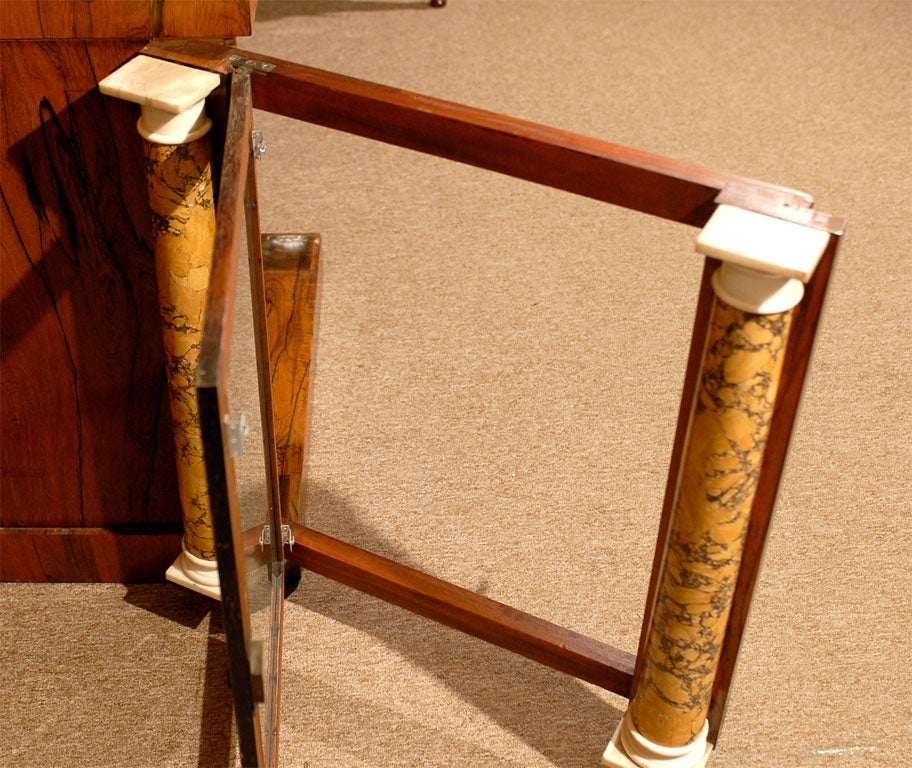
[728, 431]
[666, 722]
[183, 214]
[174, 127]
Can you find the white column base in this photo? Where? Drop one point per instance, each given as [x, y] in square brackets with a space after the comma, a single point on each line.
[195, 573]
[629, 749]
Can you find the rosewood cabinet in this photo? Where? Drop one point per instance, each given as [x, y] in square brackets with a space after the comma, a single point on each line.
[88, 482]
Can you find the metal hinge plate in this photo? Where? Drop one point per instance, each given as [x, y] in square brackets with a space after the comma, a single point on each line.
[243, 64]
[257, 145]
[287, 536]
[236, 431]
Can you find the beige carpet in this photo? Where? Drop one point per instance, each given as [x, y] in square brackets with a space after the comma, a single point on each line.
[498, 373]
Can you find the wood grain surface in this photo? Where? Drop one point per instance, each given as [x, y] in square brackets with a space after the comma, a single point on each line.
[126, 19]
[85, 438]
[291, 268]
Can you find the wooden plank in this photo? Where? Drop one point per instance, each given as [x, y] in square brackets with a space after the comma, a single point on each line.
[642, 181]
[291, 270]
[631, 178]
[207, 18]
[87, 554]
[82, 19]
[506, 627]
[194, 53]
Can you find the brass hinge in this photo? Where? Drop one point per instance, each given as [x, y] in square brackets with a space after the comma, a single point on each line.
[243, 64]
[287, 536]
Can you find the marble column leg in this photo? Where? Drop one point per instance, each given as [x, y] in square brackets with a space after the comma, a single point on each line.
[666, 723]
[765, 261]
[174, 127]
[183, 212]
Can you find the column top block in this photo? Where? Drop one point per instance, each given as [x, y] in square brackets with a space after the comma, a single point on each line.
[762, 242]
[160, 84]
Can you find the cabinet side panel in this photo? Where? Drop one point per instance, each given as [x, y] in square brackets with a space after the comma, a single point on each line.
[67, 19]
[85, 439]
[208, 18]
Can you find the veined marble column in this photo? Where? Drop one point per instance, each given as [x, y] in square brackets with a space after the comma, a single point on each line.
[765, 262]
[178, 152]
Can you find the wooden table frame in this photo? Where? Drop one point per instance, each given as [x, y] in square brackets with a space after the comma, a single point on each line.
[651, 184]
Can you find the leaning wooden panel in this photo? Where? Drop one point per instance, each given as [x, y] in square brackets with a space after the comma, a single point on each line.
[291, 266]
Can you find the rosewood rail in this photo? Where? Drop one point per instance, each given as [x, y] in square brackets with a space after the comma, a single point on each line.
[651, 184]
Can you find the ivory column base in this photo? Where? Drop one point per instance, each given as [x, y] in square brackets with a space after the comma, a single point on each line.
[630, 749]
[195, 573]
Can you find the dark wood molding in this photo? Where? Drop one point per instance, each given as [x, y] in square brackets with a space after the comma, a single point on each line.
[87, 554]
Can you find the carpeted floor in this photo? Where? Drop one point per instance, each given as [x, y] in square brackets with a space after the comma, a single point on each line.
[497, 380]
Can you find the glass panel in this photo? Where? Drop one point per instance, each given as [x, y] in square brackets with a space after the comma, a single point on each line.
[240, 460]
[263, 554]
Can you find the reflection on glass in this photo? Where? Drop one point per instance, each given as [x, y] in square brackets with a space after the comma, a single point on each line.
[264, 576]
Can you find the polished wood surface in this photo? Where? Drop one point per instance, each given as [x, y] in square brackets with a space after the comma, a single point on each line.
[126, 19]
[87, 554]
[85, 433]
[507, 627]
[87, 451]
[642, 181]
[291, 267]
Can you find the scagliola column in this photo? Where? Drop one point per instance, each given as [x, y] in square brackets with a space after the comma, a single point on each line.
[756, 288]
[178, 152]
